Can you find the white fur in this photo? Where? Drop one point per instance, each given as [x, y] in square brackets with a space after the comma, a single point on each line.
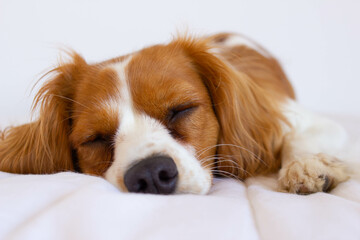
[234, 40]
[310, 133]
[140, 136]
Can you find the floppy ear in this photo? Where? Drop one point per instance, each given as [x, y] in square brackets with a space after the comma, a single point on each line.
[249, 117]
[43, 145]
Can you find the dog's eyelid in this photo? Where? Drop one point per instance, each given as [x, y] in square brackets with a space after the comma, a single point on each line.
[96, 138]
[184, 106]
[180, 111]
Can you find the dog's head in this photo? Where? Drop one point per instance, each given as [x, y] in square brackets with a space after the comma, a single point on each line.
[160, 120]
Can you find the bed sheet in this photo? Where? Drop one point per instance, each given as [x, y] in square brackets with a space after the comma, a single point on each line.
[75, 206]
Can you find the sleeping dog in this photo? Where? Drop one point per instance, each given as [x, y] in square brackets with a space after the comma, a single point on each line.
[168, 118]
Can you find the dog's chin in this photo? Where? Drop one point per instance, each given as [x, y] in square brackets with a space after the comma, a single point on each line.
[194, 182]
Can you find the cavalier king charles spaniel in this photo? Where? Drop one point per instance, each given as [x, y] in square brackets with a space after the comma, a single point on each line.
[168, 118]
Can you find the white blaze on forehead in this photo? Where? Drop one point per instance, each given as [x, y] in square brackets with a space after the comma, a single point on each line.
[140, 136]
[127, 113]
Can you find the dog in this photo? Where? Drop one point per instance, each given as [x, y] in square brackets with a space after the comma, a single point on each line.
[168, 118]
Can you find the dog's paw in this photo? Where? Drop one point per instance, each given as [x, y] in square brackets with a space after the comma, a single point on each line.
[310, 174]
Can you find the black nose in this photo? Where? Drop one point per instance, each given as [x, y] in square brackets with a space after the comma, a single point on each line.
[157, 175]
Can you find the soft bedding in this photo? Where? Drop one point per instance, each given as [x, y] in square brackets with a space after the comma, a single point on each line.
[75, 206]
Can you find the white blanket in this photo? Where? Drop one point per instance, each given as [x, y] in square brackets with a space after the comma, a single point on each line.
[76, 206]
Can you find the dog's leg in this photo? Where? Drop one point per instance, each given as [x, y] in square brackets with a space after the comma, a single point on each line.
[308, 161]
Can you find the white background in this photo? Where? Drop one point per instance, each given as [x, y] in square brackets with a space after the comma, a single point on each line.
[316, 41]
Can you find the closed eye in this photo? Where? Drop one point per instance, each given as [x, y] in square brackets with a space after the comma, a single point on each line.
[97, 139]
[180, 111]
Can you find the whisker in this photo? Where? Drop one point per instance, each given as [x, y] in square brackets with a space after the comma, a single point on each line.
[204, 150]
[217, 160]
[238, 168]
[226, 174]
[220, 160]
[232, 145]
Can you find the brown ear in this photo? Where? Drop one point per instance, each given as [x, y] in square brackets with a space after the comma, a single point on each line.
[43, 146]
[249, 118]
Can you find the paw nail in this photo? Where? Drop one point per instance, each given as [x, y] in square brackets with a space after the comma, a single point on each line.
[327, 183]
